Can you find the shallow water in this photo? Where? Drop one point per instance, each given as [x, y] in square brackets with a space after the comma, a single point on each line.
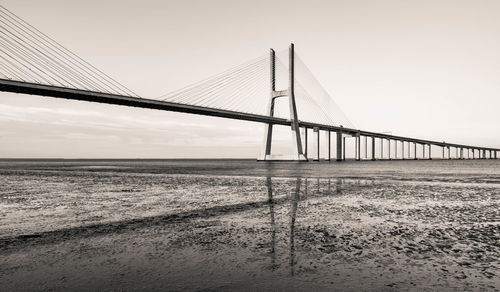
[243, 225]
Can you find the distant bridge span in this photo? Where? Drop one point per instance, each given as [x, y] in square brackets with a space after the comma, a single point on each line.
[83, 95]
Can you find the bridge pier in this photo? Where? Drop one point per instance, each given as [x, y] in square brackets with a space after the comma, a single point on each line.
[496, 154]
[430, 152]
[402, 149]
[343, 149]
[316, 133]
[355, 147]
[339, 146]
[358, 146]
[366, 147]
[415, 150]
[381, 148]
[449, 152]
[395, 149]
[329, 133]
[389, 149]
[373, 148]
[305, 142]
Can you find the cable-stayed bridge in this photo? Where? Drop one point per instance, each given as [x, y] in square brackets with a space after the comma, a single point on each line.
[276, 89]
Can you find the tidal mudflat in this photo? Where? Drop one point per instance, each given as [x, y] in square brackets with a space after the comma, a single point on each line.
[241, 225]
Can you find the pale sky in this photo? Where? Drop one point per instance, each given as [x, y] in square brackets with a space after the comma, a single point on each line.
[425, 69]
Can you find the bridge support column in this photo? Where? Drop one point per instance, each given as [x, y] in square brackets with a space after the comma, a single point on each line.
[316, 133]
[415, 150]
[355, 147]
[443, 151]
[402, 150]
[366, 147]
[430, 152]
[343, 149]
[496, 154]
[358, 147]
[423, 151]
[339, 146]
[381, 148]
[373, 148]
[329, 133]
[395, 149]
[449, 152]
[305, 142]
[389, 148]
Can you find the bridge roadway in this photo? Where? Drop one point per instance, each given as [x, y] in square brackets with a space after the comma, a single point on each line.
[83, 95]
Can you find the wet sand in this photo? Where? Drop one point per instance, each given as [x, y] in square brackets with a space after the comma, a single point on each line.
[240, 225]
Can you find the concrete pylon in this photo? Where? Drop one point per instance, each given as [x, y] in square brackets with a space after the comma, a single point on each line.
[358, 146]
[366, 147]
[402, 150]
[415, 150]
[395, 149]
[298, 154]
[317, 133]
[343, 148]
[339, 146]
[373, 148]
[381, 148]
[388, 144]
[329, 139]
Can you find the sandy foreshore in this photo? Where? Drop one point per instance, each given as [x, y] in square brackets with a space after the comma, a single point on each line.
[383, 226]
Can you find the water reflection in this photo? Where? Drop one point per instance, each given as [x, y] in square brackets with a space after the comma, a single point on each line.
[294, 199]
[295, 196]
[273, 222]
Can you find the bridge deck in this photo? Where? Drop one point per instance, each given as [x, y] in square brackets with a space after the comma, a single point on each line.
[83, 95]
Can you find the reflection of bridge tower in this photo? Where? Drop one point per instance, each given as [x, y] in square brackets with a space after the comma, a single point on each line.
[290, 92]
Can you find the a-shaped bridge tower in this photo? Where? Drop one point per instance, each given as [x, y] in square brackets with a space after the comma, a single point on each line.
[294, 120]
